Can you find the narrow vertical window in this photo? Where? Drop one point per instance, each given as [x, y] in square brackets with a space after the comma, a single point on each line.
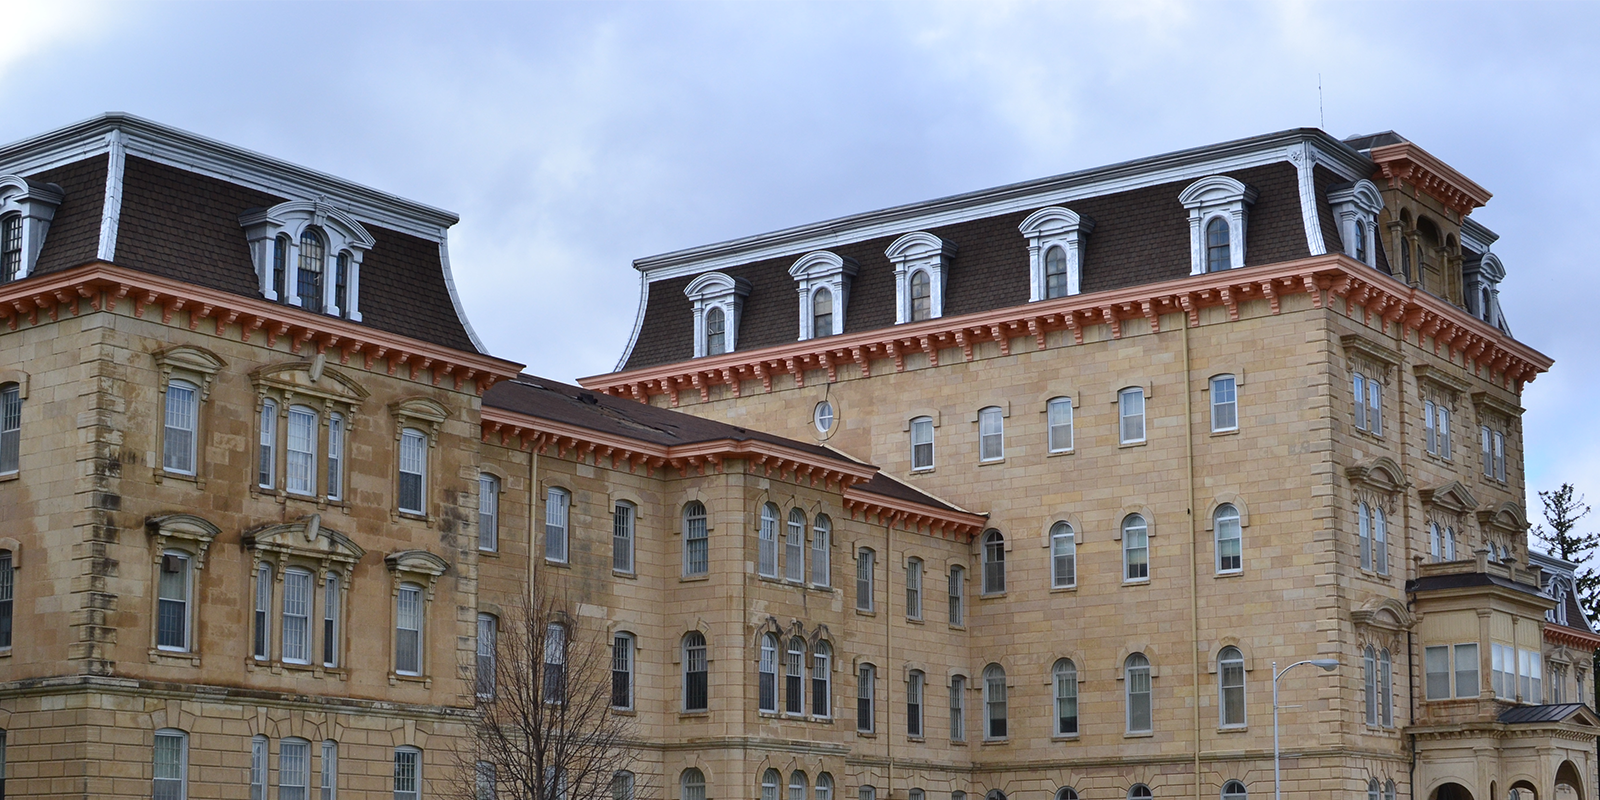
[407, 773]
[341, 284]
[302, 450]
[1488, 453]
[294, 769]
[865, 714]
[313, 260]
[956, 592]
[10, 428]
[797, 785]
[1369, 678]
[1136, 674]
[1499, 456]
[280, 268]
[921, 296]
[1436, 670]
[821, 537]
[692, 786]
[1224, 404]
[1467, 685]
[822, 313]
[10, 247]
[1386, 688]
[1442, 414]
[1502, 670]
[914, 689]
[716, 332]
[297, 616]
[1530, 677]
[958, 708]
[696, 547]
[794, 547]
[914, 588]
[262, 648]
[1130, 413]
[864, 579]
[488, 512]
[794, 698]
[1380, 542]
[1135, 548]
[8, 582]
[622, 516]
[994, 563]
[991, 434]
[483, 781]
[1055, 273]
[171, 771]
[622, 786]
[488, 628]
[1430, 438]
[696, 694]
[413, 469]
[922, 443]
[767, 544]
[995, 712]
[769, 784]
[555, 663]
[330, 620]
[336, 456]
[1374, 790]
[1230, 688]
[258, 767]
[1364, 534]
[1361, 241]
[1375, 407]
[1449, 543]
[557, 503]
[172, 620]
[182, 417]
[1359, 392]
[408, 630]
[821, 680]
[824, 787]
[1218, 257]
[1230, 542]
[622, 671]
[1058, 418]
[1065, 678]
[767, 669]
[1063, 557]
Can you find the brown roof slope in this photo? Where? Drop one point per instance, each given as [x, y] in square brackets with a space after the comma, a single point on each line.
[1140, 236]
[74, 235]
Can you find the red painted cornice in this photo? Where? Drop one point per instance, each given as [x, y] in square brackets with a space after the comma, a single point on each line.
[103, 286]
[1571, 637]
[1408, 162]
[1331, 280]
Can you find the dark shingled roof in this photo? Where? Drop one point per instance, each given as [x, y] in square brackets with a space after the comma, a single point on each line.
[894, 488]
[1462, 580]
[74, 235]
[1522, 715]
[1140, 236]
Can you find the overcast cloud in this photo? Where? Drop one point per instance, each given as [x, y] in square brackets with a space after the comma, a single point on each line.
[573, 138]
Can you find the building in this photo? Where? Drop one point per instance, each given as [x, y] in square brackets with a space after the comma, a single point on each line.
[1141, 432]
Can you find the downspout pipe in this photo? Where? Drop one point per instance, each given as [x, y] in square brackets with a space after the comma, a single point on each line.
[1194, 554]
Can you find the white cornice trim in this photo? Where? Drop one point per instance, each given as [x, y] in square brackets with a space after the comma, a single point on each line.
[638, 323]
[111, 211]
[1058, 190]
[455, 297]
[205, 156]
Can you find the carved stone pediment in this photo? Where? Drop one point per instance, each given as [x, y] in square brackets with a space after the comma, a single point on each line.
[1507, 518]
[1452, 497]
[305, 537]
[310, 379]
[1384, 613]
[192, 531]
[416, 565]
[1382, 474]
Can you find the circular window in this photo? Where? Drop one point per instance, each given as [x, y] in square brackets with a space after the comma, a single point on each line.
[823, 416]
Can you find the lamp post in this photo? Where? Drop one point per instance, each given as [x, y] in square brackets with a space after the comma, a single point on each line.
[1328, 664]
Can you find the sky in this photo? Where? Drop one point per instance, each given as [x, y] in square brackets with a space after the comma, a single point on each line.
[574, 138]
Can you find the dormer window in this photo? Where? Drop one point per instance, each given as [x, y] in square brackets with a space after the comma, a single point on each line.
[823, 282]
[10, 247]
[1055, 251]
[1355, 210]
[280, 266]
[920, 260]
[308, 284]
[718, 300]
[292, 245]
[25, 212]
[1217, 211]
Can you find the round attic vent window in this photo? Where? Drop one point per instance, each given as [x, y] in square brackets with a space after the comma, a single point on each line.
[823, 416]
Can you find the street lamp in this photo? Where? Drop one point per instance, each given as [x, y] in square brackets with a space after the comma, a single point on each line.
[1329, 665]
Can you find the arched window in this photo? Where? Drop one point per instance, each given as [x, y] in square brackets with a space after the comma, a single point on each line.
[1065, 675]
[794, 676]
[1063, 556]
[182, 427]
[769, 784]
[258, 767]
[767, 557]
[957, 595]
[1230, 688]
[10, 428]
[1234, 790]
[716, 332]
[341, 284]
[994, 702]
[1434, 544]
[821, 549]
[824, 789]
[696, 691]
[622, 783]
[407, 773]
[8, 578]
[794, 547]
[1386, 688]
[696, 548]
[1135, 548]
[821, 313]
[1388, 790]
[994, 563]
[767, 670]
[622, 664]
[1139, 792]
[1374, 790]
[692, 785]
[1369, 680]
[1230, 547]
[280, 267]
[294, 768]
[1136, 674]
[1449, 544]
[1380, 542]
[866, 693]
[1055, 272]
[171, 765]
[555, 663]
[797, 785]
[313, 260]
[921, 296]
[821, 680]
[1218, 257]
[995, 794]
[1067, 793]
[1361, 243]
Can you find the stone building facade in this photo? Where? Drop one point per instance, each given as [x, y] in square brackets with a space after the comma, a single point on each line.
[1016, 494]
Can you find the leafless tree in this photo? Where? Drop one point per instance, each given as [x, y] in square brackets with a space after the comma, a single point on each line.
[544, 725]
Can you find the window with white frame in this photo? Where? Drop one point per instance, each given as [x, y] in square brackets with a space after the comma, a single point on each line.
[488, 512]
[1494, 454]
[798, 785]
[1436, 427]
[1355, 209]
[1530, 676]
[794, 547]
[921, 443]
[991, 434]
[296, 625]
[1230, 688]
[995, 710]
[1217, 207]
[994, 563]
[261, 649]
[1056, 239]
[1136, 676]
[865, 559]
[622, 663]
[958, 708]
[822, 281]
[407, 773]
[1234, 790]
[175, 601]
[696, 684]
[1064, 680]
[1386, 688]
[767, 675]
[866, 714]
[554, 664]
[920, 261]
[488, 630]
[692, 785]
[767, 542]
[1367, 391]
[1135, 549]
[294, 768]
[258, 767]
[794, 658]
[171, 765]
[1224, 404]
[821, 680]
[1503, 670]
[1063, 556]
[1451, 671]
[302, 450]
[718, 301]
[10, 247]
[1130, 415]
[1373, 535]
[623, 515]
[956, 592]
[696, 544]
[336, 456]
[821, 549]
[332, 601]
[557, 508]
[914, 588]
[8, 583]
[408, 630]
[1225, 522]
[10, 428]
[915, 684]
[181, 428]
[413, 470]
[1058, 422]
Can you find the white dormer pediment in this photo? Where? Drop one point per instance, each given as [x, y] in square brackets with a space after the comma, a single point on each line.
[1216, 197]
[723, 294]
[914, 254]
[342, 234]
[1048, 229]
[814, 274]
[31, 206]
[1355, 211]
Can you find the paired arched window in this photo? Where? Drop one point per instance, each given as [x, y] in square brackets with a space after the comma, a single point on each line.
[767, 672]
[994, 702]
[1135, 548]
[1063, 556]
[1449, 543]
[716, 332]
[1065, 677]
[994, 562]
[696, 547]
[1218, 255]
[1230, 688]
[794, 547]
[1230, 548]
[1374, 790]
[1373, 534]
[692, 785]
[921, 296]
[696, 673]
[821, 313]
[1434, 543]
[824, 789]
[767, 557]
[313, 260]
[1136, 674]
[794, 676]
[821, 680]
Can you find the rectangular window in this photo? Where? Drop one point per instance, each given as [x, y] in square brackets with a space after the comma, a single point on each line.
[1429, 435]
[1130, 412]
[794, 700]
[407, 774]
[1139, 716]
[408, 631]
[1530, 677]
[488, 512]
[767, 687]
[10, 428]
[1437, 662]
[1499, 456]
[1488, 453]
[294, 769]
[958, 577]
[177, 451]
[413, 470]
[171, 766]
[1058, 418]
[1442, 423]
[262, 649]
[1359, 394]
[1375, 407]
[1467, 671]
[8, 579]
[864, 567]
[336, 457]
[556, 506]
[267, 466]
[258, 768]
[991, 434]
[555, 663]
[483, 783]
[622, 538]
[172, 631]
[1224, 404]
[622, 671]
[330, 621]
[1503, 670]
[330, 770]
[821, 682]
[922, 443]
[821, 567]
[958, 709]
[794, 548]
[864, 694]
[487, 629]
[302, 450]
[297, 617]
[914, 589]
[914, 706]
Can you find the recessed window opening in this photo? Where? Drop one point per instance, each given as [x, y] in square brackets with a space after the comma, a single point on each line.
[1218, 257]
[716, 332]
[821, 313]
[1055, 273]
[313, 260]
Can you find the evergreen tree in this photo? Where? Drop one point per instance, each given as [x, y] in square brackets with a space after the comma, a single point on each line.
[1563, 510]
